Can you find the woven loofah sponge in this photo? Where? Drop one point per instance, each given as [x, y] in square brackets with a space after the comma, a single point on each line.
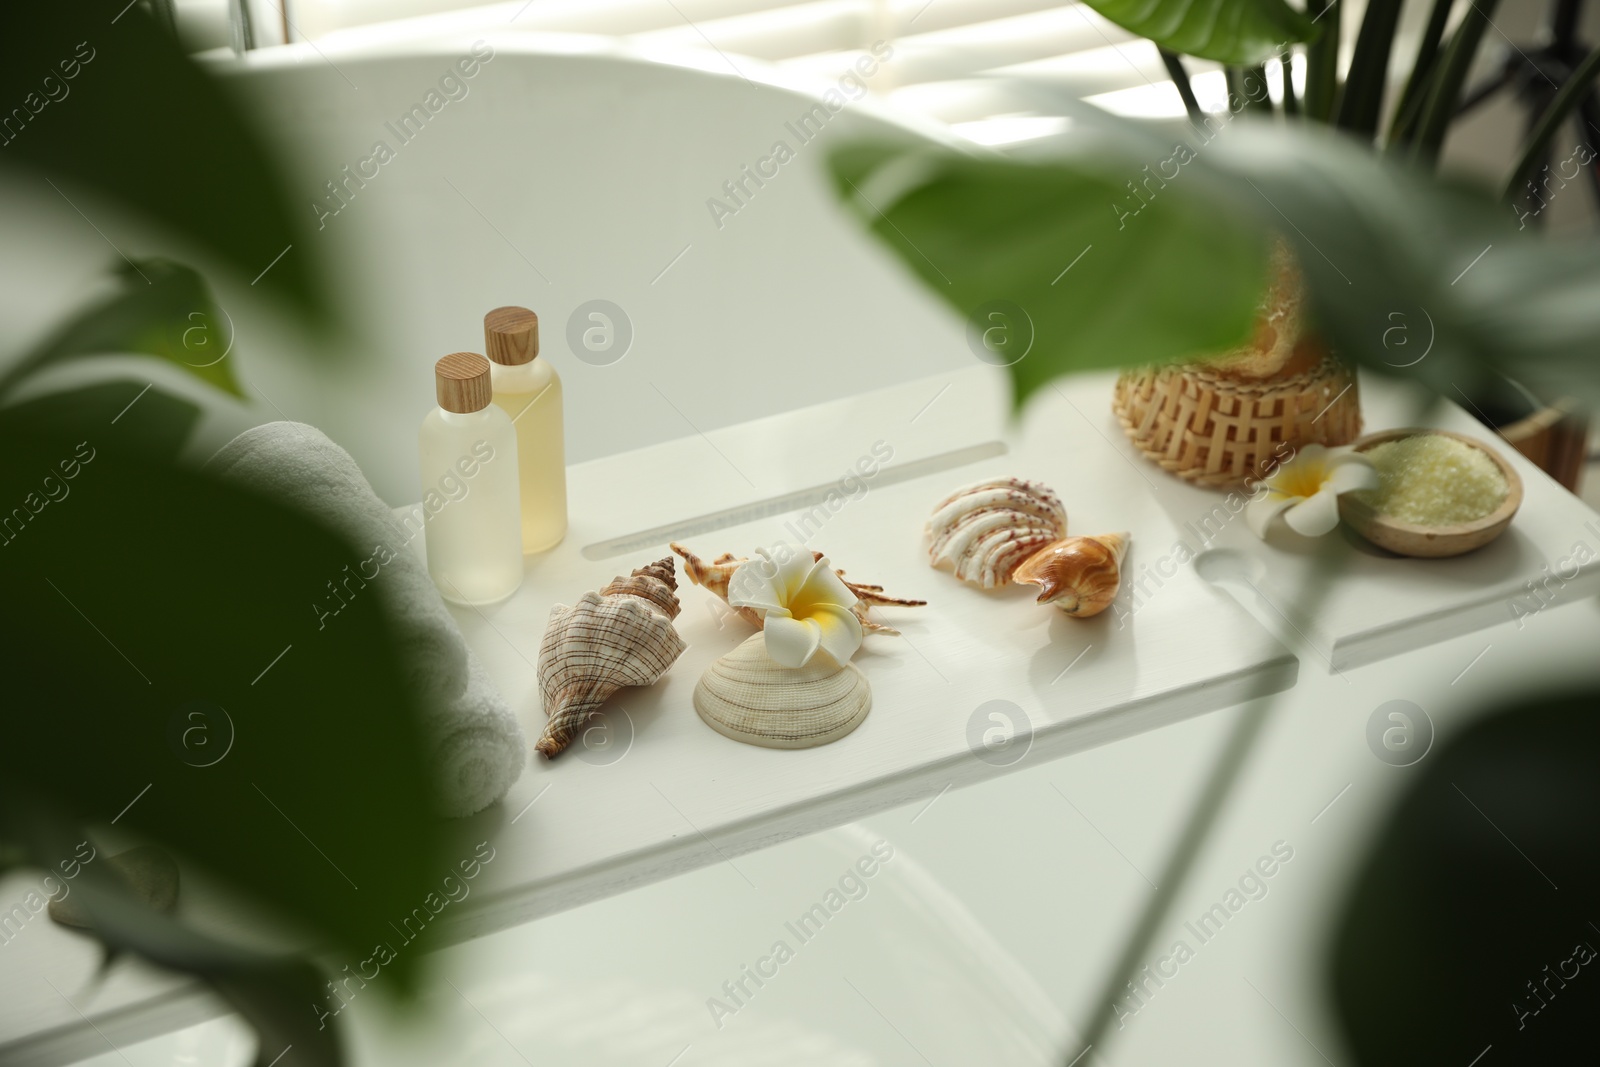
[1274, 348]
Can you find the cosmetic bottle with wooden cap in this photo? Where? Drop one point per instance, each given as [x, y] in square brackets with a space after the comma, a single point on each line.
[528, 389]
[470, 487]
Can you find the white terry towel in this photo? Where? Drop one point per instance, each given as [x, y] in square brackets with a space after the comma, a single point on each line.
[475, 740]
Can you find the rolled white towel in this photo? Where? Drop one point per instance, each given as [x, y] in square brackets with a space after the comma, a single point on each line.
[478, 746]
[475, 740]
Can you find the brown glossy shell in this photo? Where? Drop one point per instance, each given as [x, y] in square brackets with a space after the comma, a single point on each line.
[622, 635]
[1079, 575]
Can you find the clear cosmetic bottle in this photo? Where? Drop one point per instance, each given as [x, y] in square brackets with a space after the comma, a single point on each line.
[470, 487]
[528, 390]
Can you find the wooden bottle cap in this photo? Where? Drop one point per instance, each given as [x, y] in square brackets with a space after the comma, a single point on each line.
[511, 335]
[462, 382]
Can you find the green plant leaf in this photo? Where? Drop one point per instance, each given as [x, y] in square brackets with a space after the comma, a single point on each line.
[1322, 59]
[1408, 274]
[148, 601]
[148, 420]
[1572, 93]
[1250, 88]
[164, 309]
[282, 998]
[1361, 99]
[100, 97]
[1413, 275]
[1443, 95]
[1180, 81]
[1238, 32]
[1064, 267]
[1409, 107]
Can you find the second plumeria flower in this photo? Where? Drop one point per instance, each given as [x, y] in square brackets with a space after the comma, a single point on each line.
[1306, 490]
[804, 606]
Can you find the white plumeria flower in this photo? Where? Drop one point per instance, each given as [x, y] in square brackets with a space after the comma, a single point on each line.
[804, 606]
[1305, 491]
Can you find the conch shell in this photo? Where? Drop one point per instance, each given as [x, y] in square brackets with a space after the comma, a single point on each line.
[985, 530]
[1079, 575]
[716, 574]
[622, 635]
[745, 695]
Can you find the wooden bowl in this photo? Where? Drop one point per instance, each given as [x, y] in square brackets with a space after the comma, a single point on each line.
[1431, 542]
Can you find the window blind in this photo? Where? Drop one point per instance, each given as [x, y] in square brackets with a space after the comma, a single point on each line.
[946, 52]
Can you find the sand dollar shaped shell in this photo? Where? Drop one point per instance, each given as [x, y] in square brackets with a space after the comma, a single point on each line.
[622, 635]
[984, 531]
[748, 697]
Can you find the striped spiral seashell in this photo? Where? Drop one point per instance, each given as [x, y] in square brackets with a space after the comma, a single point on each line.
[984, 531]
[622, 635]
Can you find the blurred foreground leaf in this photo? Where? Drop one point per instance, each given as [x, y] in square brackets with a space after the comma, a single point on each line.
[1060, 267]
[1409, 275]
[166, 668]
[148, 420]
[164, 309]
[280, 997]
[1472, 921]
[100, 97]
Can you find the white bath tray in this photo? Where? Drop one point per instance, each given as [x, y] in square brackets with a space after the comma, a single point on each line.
[657, 791]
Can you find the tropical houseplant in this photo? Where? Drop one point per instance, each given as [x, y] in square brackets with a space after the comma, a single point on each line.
[1347, 175]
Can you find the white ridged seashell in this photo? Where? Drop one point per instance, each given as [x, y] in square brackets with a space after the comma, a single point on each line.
[746, 696]
[985, 530]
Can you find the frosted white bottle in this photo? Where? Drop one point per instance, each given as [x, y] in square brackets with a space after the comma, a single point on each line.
[470, 488]
[528, 390]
